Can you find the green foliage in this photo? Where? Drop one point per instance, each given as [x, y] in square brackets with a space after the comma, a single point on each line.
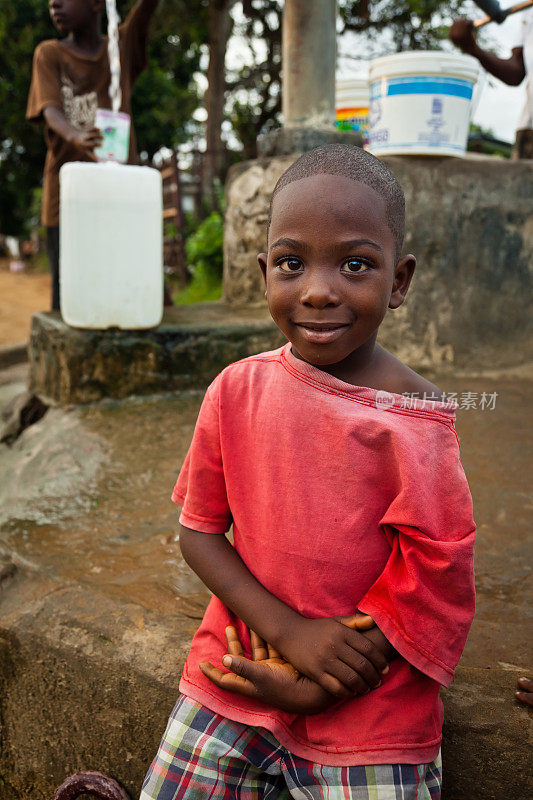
[163, 100]
[204, 247]
[397, 25]
[165, 95]
[204, 257]
[23, 24]
[482, 140]
[255, 89]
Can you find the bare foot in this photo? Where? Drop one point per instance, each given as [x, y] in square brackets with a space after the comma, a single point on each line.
[525, 691]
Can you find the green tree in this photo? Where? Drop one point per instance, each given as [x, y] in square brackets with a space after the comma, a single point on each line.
[23, 24]
[163, 101]
[397, 25]
[255, 90]
[166, 95]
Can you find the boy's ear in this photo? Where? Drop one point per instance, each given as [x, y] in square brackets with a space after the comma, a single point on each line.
[262, 261]
[403, 273]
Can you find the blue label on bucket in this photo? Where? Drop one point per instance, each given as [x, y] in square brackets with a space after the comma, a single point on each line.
[454, 87]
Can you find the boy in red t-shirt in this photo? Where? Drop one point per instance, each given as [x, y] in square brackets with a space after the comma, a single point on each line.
[70, 81]
[339, 469]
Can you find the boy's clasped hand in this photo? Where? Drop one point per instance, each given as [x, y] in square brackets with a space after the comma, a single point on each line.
[330, 659]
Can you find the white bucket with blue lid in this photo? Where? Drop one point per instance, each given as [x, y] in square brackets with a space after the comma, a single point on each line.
[420, 103]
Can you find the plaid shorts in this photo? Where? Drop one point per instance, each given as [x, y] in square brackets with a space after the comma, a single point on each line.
[204, 755]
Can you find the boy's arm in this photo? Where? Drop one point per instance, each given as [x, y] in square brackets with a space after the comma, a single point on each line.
[269, 678]
[85, 141]
[143, 11]
[135, 30]
[510, 70]
[342, 661]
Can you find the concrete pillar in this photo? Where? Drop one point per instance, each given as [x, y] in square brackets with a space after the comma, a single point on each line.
[309, 41]
[309, 44]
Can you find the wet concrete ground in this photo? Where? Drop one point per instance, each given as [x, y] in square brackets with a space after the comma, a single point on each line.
[84, 501]
[86, 498]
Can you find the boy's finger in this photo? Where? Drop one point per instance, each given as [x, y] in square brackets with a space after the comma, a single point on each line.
[363, 622]
[227, 680]
[356, 672]
[251, 672]
[233, 641]
[357, 621]
[259, 647]
[272, 652]
[333, 686]
[366, 648]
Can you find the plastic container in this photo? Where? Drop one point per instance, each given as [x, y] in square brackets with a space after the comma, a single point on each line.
[352, 101]
[115, 129]
[111, 249]
[420, 103]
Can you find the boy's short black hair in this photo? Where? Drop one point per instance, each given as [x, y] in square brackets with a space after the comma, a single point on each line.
[351, 162]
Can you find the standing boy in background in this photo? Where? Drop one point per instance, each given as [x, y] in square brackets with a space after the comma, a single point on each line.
[511, 71]
[339, 468]
[70, 81]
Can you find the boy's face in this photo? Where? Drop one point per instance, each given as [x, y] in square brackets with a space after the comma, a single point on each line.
[331, 269]
[73, 15]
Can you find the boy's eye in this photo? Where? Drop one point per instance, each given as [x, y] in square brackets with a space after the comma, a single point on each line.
[354, 266]
[289, 264]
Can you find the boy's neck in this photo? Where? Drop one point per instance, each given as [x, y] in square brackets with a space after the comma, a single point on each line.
[360, 368]
[87, 40]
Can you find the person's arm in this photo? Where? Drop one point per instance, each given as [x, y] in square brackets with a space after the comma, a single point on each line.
[85, 141]
[509, 70]
[270, 679]
[342, 661]
[143, 11]
[135, 30]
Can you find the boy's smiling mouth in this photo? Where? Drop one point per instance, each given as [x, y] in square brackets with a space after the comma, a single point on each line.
[322, 332]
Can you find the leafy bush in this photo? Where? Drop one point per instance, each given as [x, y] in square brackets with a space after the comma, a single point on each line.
[203, 249]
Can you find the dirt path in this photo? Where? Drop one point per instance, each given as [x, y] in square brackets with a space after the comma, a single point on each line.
[21, 294]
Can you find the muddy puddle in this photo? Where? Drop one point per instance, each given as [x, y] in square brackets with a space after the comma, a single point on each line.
[93, 500]
[86, 498]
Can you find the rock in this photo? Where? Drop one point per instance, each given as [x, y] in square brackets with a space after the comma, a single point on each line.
[22, 411]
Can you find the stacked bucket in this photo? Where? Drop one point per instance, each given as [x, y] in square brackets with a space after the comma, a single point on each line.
[414, 103]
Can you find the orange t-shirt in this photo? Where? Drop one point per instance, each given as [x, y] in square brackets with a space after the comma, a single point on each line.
[78, 85]
[341, 497]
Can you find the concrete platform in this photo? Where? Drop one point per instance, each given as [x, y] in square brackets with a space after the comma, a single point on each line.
[189, 348]
[97, 608]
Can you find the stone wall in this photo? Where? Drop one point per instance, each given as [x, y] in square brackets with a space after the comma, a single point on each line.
[470, 225]
[190, 347]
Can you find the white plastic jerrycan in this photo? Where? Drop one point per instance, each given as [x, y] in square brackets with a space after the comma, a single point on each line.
[111, 248]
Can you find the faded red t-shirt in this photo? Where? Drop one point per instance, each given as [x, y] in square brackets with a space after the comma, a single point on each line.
[78, 85]
[340, 498]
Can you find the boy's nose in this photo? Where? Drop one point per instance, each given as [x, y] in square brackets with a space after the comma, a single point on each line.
[318, 290]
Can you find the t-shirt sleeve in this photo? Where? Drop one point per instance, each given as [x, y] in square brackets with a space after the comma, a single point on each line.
[45, 87]
[201, 488]
[135, 32]
[424, 599]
